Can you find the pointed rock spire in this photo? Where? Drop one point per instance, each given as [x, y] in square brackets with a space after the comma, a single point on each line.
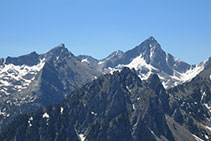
[154, 81]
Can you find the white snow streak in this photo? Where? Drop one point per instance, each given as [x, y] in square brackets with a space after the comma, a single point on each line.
[45, 115]
[101, 62]
[128, 89]
[85, 60]
[134, 107]
[61, 110]
[152, 50]
[82, 137]
[207, 106]
[206, 137]
[93, 113]
[197, 138]
[209, 128]
[191, 73]
[203, 95]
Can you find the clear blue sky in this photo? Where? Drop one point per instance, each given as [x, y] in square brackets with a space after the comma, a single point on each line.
[99, 27]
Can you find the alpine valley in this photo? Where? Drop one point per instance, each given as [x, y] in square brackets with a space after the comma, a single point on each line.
[142, 94]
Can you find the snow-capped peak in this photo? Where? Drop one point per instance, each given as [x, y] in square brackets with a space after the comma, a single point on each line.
[148, 58]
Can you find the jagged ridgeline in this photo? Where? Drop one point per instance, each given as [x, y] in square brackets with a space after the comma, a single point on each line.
[119, 106]
[114, 106]
[148, 58]
[32, 81]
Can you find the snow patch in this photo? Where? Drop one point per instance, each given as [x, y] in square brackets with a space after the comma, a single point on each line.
[207, 106]
[206, 137]
[140, 64]
[188, 75]
[152, 50]
[203, 95]
[82, 137]
[61, 110]
[101, 62]
[197, 138]
[29, 121]
[93, 113]
[152, 132]
[191, 73]
[45, 115]
[10, 74]
[177, 60]
[180, 78]
[31, 118]
[4, 91]
[129, 90]
[210, 76]
[3, 113]
[85, 60]
[134, 107]
[209, 128]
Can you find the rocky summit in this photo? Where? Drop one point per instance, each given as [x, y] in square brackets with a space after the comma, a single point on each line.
[32, 81]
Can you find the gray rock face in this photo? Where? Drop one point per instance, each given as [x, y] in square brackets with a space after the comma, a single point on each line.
[112, 60]
[148, 58]
[89, 61]
[112, 107]
[29, 60]
[32, 81]
[191, 107]
[152, 53]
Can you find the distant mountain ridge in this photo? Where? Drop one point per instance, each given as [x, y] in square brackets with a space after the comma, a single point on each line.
[148, 58]
[32, 81]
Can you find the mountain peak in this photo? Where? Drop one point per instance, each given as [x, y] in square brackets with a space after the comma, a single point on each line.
[151, 41]
[151, 38]
[61, 46]
[58, 51]
[117, 53]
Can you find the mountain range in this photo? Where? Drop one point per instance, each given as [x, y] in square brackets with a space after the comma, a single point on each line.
[148, 58]
[141, 94]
